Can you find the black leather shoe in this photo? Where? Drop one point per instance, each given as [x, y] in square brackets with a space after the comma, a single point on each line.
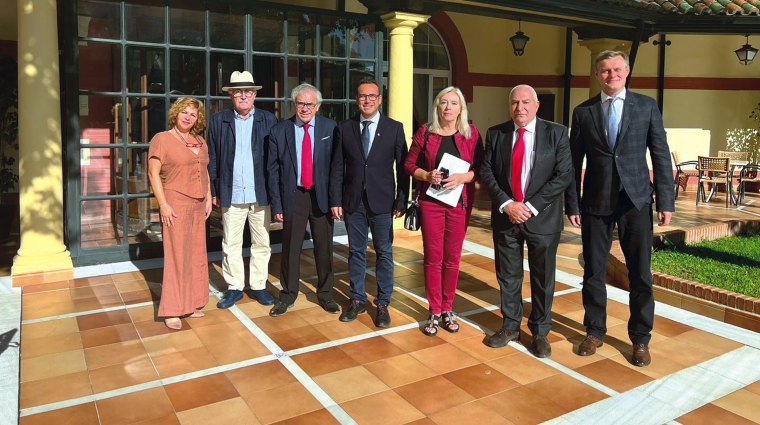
[280, 308]
[330, 306]
[502, 338]
[354, 309]
[383, 319]
[541, 346]
[230, 298]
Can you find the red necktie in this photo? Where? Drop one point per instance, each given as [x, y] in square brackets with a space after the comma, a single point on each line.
[307, 170]
[518, 152]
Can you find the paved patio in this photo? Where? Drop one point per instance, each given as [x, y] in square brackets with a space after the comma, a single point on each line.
[93, 352]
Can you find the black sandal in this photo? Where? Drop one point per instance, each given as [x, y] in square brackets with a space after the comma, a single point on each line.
[449, 323]
[432, 324]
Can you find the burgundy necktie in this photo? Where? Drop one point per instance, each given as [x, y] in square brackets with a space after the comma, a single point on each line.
[307, 169]
[518, 152]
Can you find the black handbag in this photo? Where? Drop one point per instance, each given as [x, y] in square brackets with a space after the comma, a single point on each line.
[413, 215]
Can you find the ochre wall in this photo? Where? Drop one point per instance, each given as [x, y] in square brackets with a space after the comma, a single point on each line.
[8, 23]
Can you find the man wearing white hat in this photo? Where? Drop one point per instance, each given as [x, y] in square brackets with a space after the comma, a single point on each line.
[237, 141]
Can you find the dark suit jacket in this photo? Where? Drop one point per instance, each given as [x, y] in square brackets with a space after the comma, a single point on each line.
[607, 171]
[283, 164]
[551, 174]
[221, 153]
[352, 173]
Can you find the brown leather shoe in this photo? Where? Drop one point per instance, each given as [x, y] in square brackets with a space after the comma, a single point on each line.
[589, 345]
[641, 355]
[541, 347]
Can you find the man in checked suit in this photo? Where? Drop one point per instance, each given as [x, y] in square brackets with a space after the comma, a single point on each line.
[300, 151]
[613, 131]
[366, 191]
[526, 168]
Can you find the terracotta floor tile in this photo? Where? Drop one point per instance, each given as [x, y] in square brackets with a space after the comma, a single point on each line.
[133, 285]
[614, 375]
[285, 402]
[45, 298]
[755, 388]
[51, 345]
[335, 330]
[100, 292]
[350, 384]
[97, 303]
[252, 310]
[270, 324]
[143, 405]
[315, 315]
[669, 327]
[385, 408]
[398, 318]
[710, 414]
[400, 370]
[43, 287]
[523, 368]
[83, 414]
[562, 305]
[212, 317]
[232, 411]
[109, 335]
[490, 319]
[91, 281]
[470, 413]
[183, 362]
[198, 392]
[51, 390]
[567, 392]
[47, 329]
[413, 340]
[324, 361]
[164, 420]
[138, 297]
[161, 345]
[121, 277]
[47, 310]
[743, 403]
[708, 342]
[659, 368]
[465, 332]
[260, 377]
[141, 314]
[318, 417]
[371, 349]
[298, 337]
[444, 358]
[52, 365]
[481, 380]
[151, 328]
[522, 406]
[101, 320]
[477, 348]
[423, 421]
[122, 375]
[107, 355]
[433, 395]
[679, 351]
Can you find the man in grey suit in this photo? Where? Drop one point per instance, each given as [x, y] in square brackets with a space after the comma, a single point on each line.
[526, 168]
[613, 131]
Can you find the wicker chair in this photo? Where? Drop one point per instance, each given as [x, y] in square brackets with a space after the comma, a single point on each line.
[681, 175]
[735, 156]
[750, 173]
[713, 170]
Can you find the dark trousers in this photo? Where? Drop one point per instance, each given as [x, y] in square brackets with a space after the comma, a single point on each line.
[542, 262]
[635, 235]
[306, 211]
[358, 224]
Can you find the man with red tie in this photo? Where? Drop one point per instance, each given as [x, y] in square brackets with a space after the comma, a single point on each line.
[300, 152]
[526, 168]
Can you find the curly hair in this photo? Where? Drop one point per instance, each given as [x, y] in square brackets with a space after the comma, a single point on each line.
[180, 105]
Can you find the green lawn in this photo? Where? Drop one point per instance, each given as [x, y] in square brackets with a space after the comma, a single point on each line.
[729, 263]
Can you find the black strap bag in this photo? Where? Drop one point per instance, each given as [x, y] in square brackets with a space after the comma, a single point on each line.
[413, 215]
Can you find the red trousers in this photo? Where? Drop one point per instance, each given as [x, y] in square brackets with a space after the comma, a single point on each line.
[443, 231]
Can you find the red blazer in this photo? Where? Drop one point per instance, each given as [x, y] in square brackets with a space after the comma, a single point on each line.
[470, 149]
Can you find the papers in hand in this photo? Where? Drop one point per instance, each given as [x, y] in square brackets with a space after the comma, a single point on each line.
[455, 166]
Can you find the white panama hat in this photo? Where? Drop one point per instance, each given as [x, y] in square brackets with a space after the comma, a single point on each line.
[241, 80]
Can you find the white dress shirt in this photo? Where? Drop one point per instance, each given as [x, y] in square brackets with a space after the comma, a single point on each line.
[528, 159]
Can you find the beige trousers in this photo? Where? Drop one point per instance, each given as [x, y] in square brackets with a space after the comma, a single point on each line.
[233, 221]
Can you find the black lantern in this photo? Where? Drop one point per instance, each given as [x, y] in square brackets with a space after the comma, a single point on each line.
[519, 40]
[746, 54]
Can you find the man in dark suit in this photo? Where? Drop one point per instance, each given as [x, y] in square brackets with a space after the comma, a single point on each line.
[363, 187]
[527, 167]
[300, 151]
[237, 148]
[613, 131]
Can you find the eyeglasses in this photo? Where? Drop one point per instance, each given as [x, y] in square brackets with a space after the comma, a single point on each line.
[372, 97]
[304, 105]
[241, 93]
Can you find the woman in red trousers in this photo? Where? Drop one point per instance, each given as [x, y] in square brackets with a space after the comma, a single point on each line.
[444, 225]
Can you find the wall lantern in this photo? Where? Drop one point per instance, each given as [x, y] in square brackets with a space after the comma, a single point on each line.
[745, 54]
[519, 40]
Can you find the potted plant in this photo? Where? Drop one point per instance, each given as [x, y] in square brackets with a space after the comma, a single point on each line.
[8, 142]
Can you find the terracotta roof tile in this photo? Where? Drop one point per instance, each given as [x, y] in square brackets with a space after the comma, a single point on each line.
[695, 7]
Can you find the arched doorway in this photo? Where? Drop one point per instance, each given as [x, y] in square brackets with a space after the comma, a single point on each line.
[432, 71]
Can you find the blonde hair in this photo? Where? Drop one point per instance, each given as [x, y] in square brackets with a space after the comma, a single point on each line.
[463, 126]
[180, 105]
